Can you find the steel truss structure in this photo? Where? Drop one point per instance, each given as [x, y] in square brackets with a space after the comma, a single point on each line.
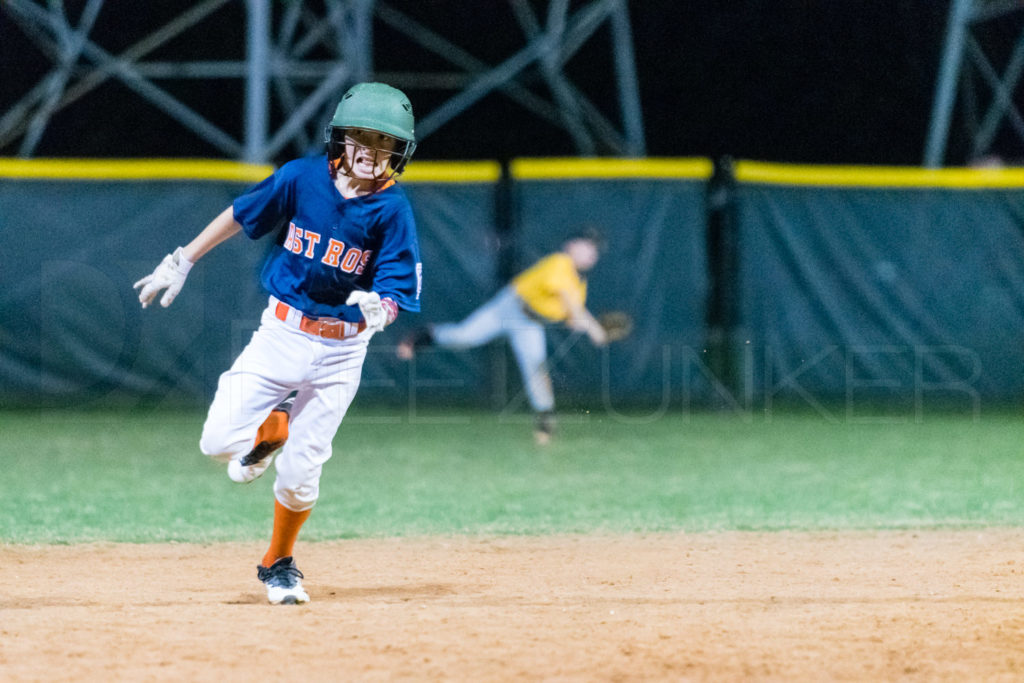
[965, 58]
[278, 67]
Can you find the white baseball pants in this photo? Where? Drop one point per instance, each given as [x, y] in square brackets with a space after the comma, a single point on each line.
[278, 360]
[504, 315]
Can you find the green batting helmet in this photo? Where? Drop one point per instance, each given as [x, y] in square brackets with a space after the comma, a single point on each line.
[377, 107]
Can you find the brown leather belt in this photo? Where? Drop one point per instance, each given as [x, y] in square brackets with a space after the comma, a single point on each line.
[328, 328]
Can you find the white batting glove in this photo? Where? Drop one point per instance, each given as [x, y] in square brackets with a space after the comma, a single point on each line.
[169, 275]
[369, 304]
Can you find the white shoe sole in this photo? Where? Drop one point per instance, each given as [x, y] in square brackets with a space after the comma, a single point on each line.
[293, 596]
[243, 475]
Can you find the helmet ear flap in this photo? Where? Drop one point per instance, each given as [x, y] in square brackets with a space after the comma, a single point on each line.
[335, 142]
[401, 157]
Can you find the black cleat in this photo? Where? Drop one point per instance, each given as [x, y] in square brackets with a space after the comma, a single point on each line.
[271, 436]
[283, 582]
[544, 428]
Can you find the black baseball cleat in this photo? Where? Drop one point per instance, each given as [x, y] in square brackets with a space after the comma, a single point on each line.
[271, 436]
[283, 581]
[285, 406]
[544, 428]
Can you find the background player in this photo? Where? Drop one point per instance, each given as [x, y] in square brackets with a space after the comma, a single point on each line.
[345, 260]
[551, 291]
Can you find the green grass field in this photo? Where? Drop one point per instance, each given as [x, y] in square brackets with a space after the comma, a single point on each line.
[69, 477]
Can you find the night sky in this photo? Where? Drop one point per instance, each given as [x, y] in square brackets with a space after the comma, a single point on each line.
[831, 81]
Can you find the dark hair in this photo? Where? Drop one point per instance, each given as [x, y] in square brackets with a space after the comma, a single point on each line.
[591, 233]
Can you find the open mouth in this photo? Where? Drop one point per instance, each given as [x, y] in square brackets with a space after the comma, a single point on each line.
[363, 165]
[367, 162]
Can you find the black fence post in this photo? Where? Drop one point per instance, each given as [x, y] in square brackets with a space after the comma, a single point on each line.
[506, 233]
[723, 306]
[506, 225]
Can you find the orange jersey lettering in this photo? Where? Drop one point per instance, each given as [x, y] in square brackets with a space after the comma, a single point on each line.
[290, 243]
[334, 249]
[312, 239]
[351, 259]
[364, 261]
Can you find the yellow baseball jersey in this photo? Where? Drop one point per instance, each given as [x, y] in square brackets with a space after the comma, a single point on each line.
[539, 286]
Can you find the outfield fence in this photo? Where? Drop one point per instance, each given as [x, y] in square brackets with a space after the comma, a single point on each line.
[750, 283]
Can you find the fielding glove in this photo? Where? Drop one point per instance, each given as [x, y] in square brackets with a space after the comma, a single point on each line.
[372, 309]
[617, 325]
[169, 275]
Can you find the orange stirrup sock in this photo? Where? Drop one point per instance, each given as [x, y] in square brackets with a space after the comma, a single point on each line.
[274, 429]
[286, 529]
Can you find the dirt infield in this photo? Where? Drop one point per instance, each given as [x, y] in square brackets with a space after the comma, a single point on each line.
[729, 606]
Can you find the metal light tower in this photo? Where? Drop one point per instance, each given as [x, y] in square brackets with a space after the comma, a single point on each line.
[298, 56]
[966, 57]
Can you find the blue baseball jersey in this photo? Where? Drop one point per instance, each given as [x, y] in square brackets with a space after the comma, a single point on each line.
[326, 246]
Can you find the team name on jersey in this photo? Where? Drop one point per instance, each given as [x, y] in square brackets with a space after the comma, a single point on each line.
[350, 260]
